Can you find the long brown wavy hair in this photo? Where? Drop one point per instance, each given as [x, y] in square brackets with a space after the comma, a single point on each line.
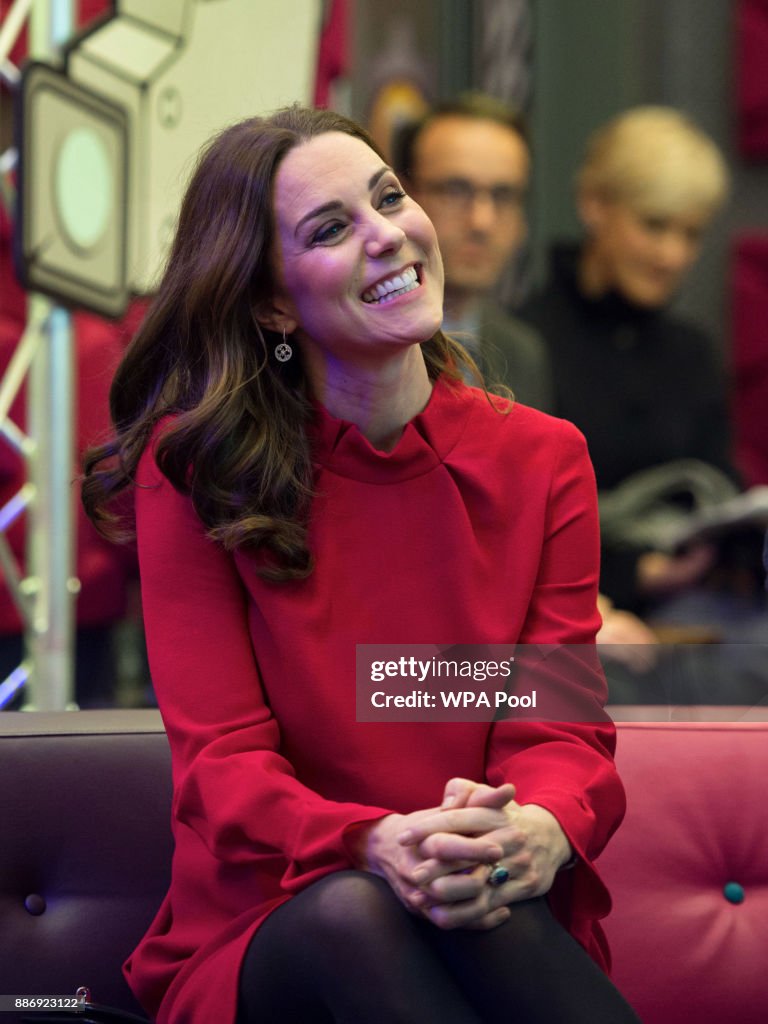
[236, 440]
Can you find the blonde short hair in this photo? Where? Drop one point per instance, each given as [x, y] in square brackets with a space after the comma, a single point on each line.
[657, 161]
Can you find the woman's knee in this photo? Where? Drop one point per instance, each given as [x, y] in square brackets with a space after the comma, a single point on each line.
[349, 903]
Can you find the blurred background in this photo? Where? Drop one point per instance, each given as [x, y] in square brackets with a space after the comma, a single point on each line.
[566, 64]
[573, 65]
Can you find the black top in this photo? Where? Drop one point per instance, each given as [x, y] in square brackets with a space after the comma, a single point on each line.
[644, 386]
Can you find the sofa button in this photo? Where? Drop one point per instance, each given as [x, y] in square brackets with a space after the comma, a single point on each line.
[733, 892]
[35, 904]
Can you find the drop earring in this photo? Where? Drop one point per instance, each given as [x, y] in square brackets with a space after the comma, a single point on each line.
[283, 351]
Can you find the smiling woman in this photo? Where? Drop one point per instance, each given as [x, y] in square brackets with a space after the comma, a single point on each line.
[359, 281]
[310, 473]
[226, 300]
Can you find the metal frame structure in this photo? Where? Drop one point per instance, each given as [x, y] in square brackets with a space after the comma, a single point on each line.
[44, 594]
[127, 85]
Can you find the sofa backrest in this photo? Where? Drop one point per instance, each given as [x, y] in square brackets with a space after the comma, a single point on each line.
[86, 847]
[85, 857]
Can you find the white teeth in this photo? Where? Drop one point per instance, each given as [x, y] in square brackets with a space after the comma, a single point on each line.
[389, 286]
[398, 284]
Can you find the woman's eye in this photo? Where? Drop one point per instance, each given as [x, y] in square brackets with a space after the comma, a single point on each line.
[392, 198]
[657, 225]
[328, 232]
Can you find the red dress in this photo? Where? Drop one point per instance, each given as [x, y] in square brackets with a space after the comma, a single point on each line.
[479, 527]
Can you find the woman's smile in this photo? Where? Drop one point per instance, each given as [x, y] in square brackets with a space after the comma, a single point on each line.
[392, 287]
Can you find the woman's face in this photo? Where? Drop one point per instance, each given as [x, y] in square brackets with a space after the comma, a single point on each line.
[643, 256]
[358, 268]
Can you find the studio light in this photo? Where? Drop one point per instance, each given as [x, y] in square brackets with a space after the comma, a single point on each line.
[73, 192]
[107, 140]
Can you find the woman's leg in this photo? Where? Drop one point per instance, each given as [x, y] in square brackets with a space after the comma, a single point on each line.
[346, 951]
[531, 971]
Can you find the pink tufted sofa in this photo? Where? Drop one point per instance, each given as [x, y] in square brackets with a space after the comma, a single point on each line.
[688, 870]
[85, 852]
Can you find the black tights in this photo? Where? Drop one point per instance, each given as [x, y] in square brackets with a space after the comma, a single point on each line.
[345, 951]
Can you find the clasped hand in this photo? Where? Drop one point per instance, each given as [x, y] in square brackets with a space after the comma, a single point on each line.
[438, 860]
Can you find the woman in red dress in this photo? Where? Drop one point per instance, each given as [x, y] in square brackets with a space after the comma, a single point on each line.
[311, 474]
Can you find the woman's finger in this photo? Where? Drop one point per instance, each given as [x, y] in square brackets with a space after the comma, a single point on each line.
[453, 849]
[467, 821]
[466, 793]
[492, 796]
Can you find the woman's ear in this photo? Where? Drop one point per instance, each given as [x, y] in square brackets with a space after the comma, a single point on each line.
[591, 208]
[275, 317]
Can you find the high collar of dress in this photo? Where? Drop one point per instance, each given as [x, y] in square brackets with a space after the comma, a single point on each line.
[340, 446]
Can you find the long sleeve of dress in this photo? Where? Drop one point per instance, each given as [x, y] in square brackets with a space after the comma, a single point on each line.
[567, 767]
[233, 787]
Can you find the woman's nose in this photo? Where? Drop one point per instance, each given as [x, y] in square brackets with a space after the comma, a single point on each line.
[384, 236]
[676, 251]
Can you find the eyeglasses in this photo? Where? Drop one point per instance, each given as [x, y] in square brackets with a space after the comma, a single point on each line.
[460, 195]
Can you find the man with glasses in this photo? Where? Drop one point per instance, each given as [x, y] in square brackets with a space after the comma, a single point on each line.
[467, 164]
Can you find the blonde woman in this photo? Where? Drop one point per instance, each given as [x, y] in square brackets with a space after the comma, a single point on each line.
[644, 385]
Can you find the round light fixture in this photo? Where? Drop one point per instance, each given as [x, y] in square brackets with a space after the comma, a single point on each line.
[84, 188]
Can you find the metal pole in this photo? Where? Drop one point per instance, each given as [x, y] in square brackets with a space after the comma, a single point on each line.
[12, 25]
[50, 581]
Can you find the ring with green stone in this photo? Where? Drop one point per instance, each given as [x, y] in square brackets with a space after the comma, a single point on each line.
[498, 876]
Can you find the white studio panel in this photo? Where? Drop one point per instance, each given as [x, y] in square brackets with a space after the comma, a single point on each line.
[167, 17]
[176, 71]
